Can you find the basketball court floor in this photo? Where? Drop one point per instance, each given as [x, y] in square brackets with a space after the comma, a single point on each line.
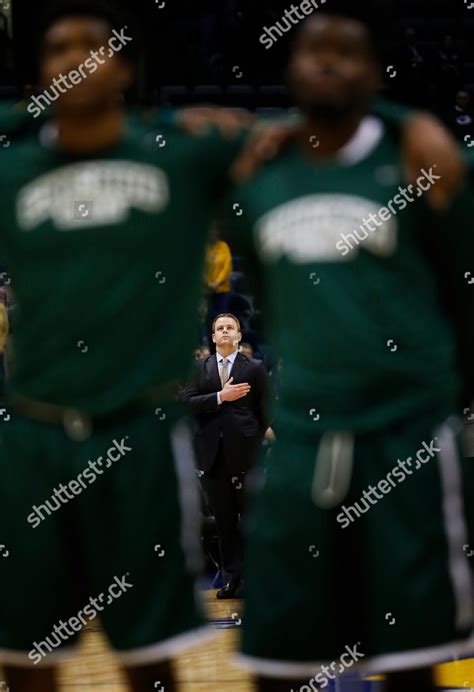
[208, 667]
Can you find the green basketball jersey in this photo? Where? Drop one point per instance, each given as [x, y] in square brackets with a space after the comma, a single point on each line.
[349, 291]
[105, 253]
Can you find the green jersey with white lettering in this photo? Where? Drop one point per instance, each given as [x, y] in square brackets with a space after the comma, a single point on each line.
[349, 287]
[105, 253]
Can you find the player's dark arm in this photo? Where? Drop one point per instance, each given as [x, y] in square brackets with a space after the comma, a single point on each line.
[425, 142]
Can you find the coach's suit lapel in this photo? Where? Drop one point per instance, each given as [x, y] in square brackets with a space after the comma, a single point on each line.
[213, 373]
[238, 368]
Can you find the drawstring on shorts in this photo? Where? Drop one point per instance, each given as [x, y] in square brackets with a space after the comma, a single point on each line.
[333, 469]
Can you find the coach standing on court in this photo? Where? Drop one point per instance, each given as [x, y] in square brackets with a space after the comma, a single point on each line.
[230, 401]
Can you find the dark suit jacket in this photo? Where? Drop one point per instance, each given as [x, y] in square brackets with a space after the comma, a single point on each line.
[242, 423]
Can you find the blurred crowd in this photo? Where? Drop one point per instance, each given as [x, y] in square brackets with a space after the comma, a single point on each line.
[428, 51]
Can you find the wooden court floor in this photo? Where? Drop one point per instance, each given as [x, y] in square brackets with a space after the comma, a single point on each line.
[204, 668]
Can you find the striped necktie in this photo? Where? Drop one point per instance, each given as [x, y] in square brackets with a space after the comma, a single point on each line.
[224, 371]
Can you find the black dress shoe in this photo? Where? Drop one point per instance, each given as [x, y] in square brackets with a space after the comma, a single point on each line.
[228, 591]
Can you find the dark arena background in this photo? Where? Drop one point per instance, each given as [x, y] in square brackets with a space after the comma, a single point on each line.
[209, 51]
[232, 54]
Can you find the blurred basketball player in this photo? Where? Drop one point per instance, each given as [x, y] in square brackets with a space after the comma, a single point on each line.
[355, 550]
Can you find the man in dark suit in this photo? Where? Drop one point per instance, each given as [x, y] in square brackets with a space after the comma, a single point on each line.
[229, 399]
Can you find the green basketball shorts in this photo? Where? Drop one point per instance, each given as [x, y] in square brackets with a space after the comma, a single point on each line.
[98, 528]
[361, 544]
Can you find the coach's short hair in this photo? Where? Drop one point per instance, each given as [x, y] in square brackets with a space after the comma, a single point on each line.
[225, 314]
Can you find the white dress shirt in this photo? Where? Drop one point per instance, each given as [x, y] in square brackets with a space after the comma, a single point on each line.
[230, 364]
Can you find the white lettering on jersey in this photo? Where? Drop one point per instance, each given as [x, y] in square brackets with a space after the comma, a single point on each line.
[95, 193]
[310, 228]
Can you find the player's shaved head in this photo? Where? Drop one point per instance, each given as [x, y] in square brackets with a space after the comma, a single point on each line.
[76, 41]
[333, 69]
[110, 15]
[352, 29]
